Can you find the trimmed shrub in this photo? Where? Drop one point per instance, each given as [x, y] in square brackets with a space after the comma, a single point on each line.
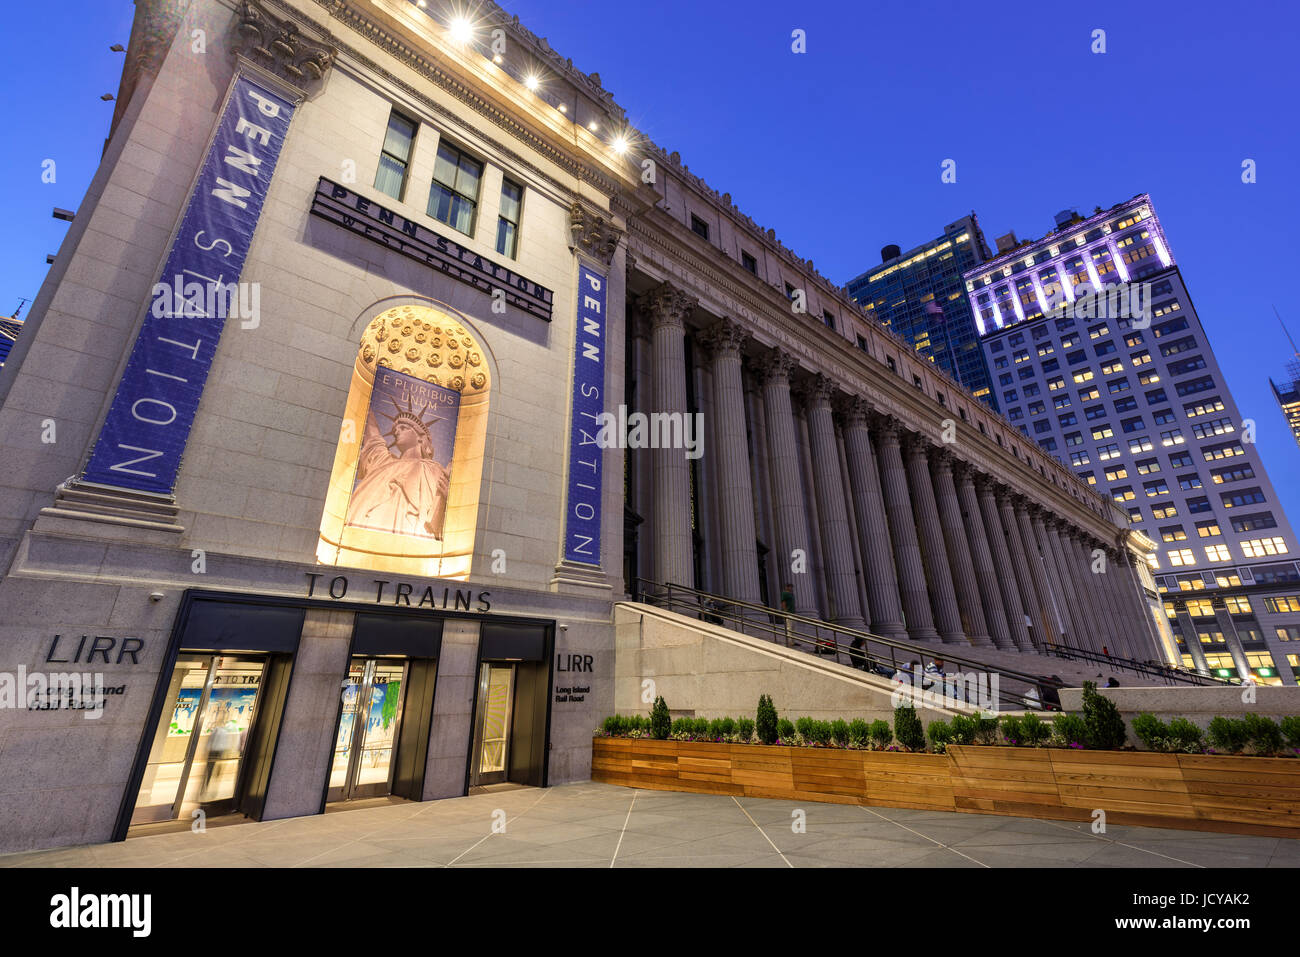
[1152, 732]
[840, 732]
[1106, 731]
[745, 729]
[881, 733]
[859, 733]
[661, 722]
[1011, 730]
[785, 729]
[1227, 734]
[1263, 733]
[1033, 731]
[963, 729]
[765, 720]
[940, 734]
[681, 726]
[1184, 736]
[986, 728]
[728, 727]
[1069, 730]
[700, 726]
[907, 728]
[1291, 730]
[804, 726]
[715, 728]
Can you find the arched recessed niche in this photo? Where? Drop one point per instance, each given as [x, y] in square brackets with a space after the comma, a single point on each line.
[404, 491]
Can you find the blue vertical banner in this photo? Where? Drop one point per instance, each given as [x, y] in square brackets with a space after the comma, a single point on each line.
[148, 423]
[582, 505]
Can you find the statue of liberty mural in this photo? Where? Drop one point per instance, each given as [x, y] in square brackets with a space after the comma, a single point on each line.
[400, 488]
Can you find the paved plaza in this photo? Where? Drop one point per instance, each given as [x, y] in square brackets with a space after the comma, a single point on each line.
[601, 825]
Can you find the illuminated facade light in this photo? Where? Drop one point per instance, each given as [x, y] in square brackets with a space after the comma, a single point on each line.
[619, 144]
[1119, 263]
[531, 82]
[462, 31]
[593, 126]
[1165, 259]
[562, 108]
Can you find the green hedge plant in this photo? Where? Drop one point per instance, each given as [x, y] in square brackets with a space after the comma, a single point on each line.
[840, 733]
[940, 734]
[1069, 731]
[1106, 731]
[907, 728]
[1263, 733]
[963, 729]
[1227, 734]
[1291, 730]
[859, 733]
[881, 733]
[745, 729]
[785, 729]
[1011, 730]
[661, 722]
[765, 721]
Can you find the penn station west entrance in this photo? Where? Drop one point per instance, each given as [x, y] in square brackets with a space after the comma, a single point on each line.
[351, 537]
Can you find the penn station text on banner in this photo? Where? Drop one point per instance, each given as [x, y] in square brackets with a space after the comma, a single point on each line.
[582, 503]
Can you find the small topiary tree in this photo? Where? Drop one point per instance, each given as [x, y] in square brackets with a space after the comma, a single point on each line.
[1106, 731]
[907, 728]
[940, 734]
[1227, 734]
[963, 729]
[745, 729]
[1263, 733]
[1069, 730]
[1011, 730]
[859, 733]
[1185, 736]
[1033, 731]
[1151, 731]
[661, 722]
[765, 720]
[1291, 730]
[881, 733]
[840, 732]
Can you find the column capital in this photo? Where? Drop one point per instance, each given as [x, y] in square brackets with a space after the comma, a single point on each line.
[854, 410]
[817, 391]
[943, 460]
[667, 305]
[774, 366]
[916, 445]
[724, 339]
[963, 471]
[889, 431]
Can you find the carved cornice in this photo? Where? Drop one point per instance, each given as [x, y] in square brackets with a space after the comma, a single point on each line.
[279, 47]
[724, 339]
[592, 233]
[392, 46]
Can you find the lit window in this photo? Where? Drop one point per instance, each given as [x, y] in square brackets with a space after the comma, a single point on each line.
[395, 157]
[453, 197]
[508, 221]
[1180, 556]
[1217, 553]
[1262, 547]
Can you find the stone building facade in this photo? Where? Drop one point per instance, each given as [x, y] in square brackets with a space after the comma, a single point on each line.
[349, 532]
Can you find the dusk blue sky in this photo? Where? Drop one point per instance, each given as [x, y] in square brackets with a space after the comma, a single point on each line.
[839, 149]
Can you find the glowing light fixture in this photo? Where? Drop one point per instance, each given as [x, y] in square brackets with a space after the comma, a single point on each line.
[593, 126]
[1160, 250]
[462, 31]
[497, 59]
[563, 109]
[531, 82]
[620, 144]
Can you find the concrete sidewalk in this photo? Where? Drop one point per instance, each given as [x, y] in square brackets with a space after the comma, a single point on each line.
[602, 825]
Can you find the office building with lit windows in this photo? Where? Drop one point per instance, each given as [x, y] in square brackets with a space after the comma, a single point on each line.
[10, 327]
[1287, 394]
[1125, 390]
[919, 295]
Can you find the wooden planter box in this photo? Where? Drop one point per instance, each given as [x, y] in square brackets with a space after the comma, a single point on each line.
[1193, 791]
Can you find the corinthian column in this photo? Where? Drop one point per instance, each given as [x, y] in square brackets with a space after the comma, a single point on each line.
[1015, 609]
[1020, 566]
[925, 511]
[667, 307]
[1060, 605]
[837, 546]
[873, 525]
[959, 554]
[730, 459]
[784, 469]
[995, 615]
[1069, 575]
[1049, 630]
[902, 532]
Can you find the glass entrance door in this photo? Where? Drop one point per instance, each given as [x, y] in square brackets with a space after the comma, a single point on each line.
[198, 748]
[371, 715]
[496, 686]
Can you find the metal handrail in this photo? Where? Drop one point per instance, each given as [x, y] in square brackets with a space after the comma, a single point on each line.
[1169, 675]
[819, 634]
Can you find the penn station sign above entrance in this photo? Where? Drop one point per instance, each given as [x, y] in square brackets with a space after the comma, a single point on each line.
[354, 212]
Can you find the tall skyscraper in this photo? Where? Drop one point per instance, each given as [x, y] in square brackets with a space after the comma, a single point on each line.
[1126, 389]
[919, 295]
[1288, 397]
